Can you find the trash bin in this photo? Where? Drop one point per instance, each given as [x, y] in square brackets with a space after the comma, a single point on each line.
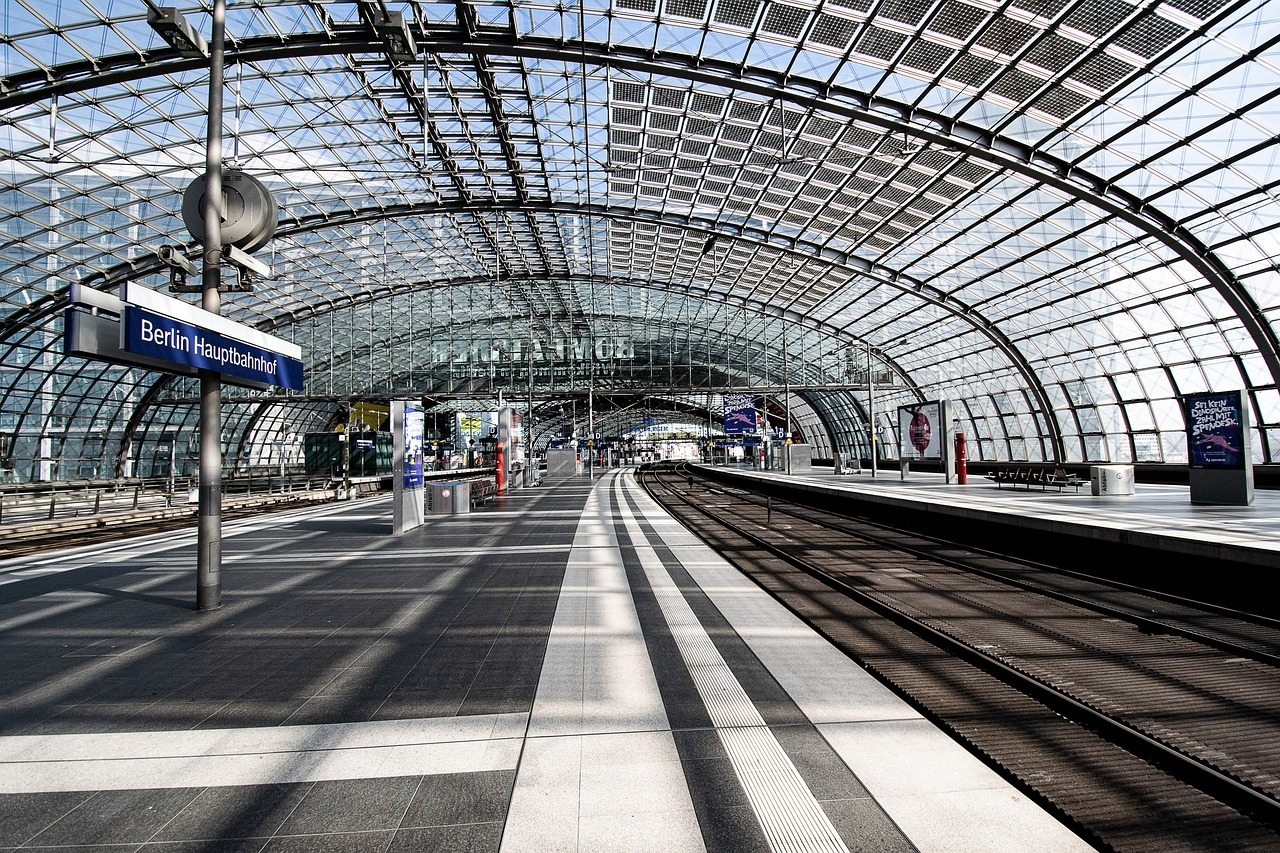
[1111, 480]
[448, 498]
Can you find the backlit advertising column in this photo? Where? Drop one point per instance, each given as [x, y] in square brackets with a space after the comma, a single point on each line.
[407, 429]
[1218, 455]
[925, 434]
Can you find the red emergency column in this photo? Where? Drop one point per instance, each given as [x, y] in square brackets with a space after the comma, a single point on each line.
[962, 460]
[501, 473]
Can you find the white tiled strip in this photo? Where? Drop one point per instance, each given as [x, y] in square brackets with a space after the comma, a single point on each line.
[600, 770]
[791, 818]
[257, 756]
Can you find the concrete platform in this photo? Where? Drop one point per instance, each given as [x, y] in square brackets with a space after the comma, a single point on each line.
[1155, 516]
[566, 670]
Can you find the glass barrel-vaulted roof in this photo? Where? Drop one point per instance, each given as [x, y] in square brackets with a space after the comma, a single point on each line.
[1060, 214]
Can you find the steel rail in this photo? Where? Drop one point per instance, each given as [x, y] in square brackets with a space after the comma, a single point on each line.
[1145, 623]
[1180, 765]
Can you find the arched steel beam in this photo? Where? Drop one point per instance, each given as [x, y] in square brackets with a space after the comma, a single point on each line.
[707, 225]
[703, 225]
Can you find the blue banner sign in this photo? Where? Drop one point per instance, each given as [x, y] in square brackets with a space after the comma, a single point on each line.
[156, 336]
[739, 414]
[1215, 430]
[413, 429]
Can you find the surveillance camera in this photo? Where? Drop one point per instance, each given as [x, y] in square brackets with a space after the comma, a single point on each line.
[172, 258]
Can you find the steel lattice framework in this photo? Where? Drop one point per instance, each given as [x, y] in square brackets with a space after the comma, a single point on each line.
[1061, 214]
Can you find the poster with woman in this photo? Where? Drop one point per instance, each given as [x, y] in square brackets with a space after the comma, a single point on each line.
[921, 431]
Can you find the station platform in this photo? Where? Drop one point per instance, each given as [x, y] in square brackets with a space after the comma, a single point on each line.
[1158, 517]
[566, 669]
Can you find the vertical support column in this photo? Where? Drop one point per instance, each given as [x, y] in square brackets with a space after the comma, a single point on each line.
[871, 414]
[209, 542]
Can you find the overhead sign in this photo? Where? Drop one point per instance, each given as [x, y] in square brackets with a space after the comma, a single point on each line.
[521, 350]
[739, 414]
[166, 339]
[143, 328]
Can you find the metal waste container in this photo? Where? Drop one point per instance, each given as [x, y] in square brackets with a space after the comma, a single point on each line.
[1108, 480]
[448, 498]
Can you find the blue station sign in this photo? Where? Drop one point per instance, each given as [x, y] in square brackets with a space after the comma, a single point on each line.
[152, 335]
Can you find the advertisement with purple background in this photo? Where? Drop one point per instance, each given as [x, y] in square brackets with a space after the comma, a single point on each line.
[739, 414]
[1215, 435]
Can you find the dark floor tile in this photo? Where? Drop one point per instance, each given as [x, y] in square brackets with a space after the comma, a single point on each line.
[241, 811]
[412, 704]
[497, 701]
[342, 842]
[251, 714]
[826, 774]
[335, 709]
[714, 785]
[733, 830]
[460, 798]
[865, 827]
[213, 845]
[78, 848]
[24, 815]
[117, 817]
[352, 805]
[698, 743]
[475, 838]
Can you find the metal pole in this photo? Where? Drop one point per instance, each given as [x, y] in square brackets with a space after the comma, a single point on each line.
[786, 386]
[871, 413]
[209, 556]
[530, 475]
[786, 382]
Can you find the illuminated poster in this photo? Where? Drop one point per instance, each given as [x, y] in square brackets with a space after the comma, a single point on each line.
[739, 414]
[920, 431]
[413, 450]
[1215, 431]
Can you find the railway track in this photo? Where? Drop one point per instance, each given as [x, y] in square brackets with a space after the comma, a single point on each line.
[19, 539]
[1146, 723]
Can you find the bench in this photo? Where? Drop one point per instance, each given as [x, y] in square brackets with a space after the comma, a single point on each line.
[1037, 478]
[483, 490]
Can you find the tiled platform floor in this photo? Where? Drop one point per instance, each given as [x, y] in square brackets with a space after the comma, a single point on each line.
[1156, 516]
[566, 670]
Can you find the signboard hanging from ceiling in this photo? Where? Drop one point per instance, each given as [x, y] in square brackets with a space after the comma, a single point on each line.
[143, 328]
[739, 414]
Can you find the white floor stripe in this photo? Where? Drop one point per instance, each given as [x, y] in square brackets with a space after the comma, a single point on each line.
[943, 798]
[256, 756]
[406, 553]
[600, 771]
[791, 818]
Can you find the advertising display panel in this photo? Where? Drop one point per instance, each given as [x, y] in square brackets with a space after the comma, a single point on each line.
[921, 431]
[413, 433]
[408, 509]
[1215, 430]
[739, 414]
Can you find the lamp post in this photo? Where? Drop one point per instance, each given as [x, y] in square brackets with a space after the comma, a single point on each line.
[209, 560]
